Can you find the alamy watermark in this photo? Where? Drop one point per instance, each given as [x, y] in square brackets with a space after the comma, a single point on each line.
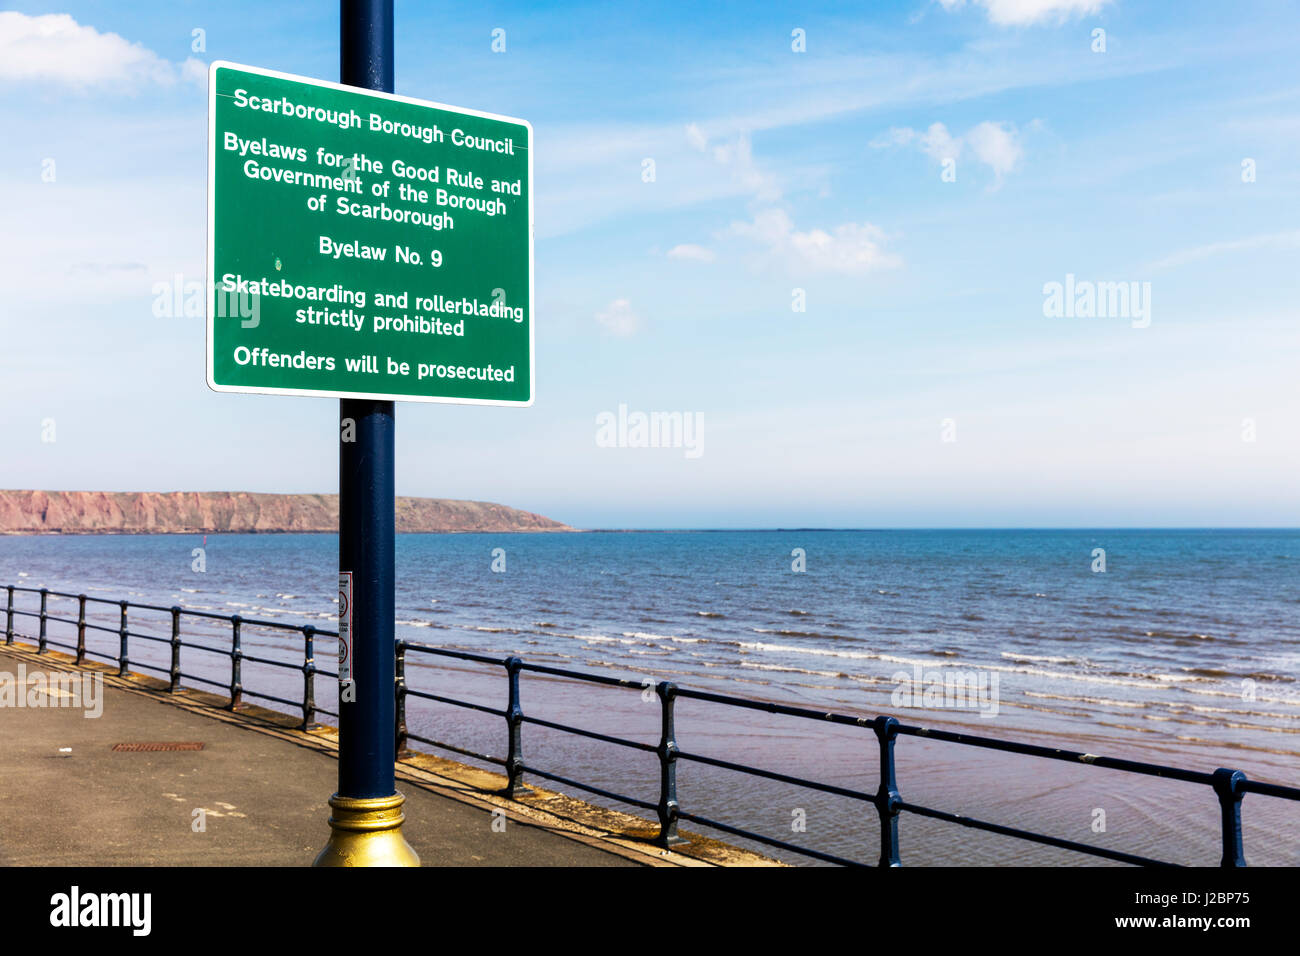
[74, 909]
[176, 298]
[946, 688]
[1084, 299]
[56, 689]
[626, 429]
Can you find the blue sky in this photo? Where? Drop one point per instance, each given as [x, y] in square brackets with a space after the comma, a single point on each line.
[775, 171]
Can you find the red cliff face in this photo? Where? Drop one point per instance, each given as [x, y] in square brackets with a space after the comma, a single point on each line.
[188, 512]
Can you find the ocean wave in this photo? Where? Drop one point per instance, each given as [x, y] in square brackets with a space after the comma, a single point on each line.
[1203, 709]
[1266, 676]
[1288, 701]
[1146, 675]
[815, 651]
[1085, 699]
[647, 636]
[1042, 659]
[1173, 635]
[792, 670]
[1148, 681]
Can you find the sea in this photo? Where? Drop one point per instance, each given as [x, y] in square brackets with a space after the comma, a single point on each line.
[1177, 647]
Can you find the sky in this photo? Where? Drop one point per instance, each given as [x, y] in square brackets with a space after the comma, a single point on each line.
[842, 267]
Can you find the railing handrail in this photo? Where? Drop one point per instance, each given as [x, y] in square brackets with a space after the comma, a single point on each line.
[187, 612]
[1229, 785]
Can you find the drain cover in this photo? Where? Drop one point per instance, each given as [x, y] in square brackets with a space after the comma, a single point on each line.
[159, 745]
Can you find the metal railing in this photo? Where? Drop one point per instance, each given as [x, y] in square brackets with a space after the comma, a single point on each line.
[234, 687]
[1230, 786]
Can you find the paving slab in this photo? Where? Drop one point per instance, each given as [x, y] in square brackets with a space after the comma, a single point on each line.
[68, 798]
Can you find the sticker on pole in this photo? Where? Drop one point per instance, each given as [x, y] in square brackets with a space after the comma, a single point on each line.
[345, 626]
[366, 245]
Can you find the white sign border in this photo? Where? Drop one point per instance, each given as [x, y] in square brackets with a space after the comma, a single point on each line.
[211, 245]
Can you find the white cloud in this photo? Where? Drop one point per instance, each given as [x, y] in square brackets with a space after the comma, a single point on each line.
[738, 158]
[939, 144]
[619, 319]
[195, 71]
[691, 252]
[936, 142]
[897, 136]
[850, 248]
[695, 136]
[589, 172]
[996, 145]
[587, 175]
[1022, 12]
[55, 48]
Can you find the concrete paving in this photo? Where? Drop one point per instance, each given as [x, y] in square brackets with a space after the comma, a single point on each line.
[67, 798]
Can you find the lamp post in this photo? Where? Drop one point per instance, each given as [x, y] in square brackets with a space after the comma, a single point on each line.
[366, 818]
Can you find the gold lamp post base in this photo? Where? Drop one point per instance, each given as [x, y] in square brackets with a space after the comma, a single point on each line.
[367, 831]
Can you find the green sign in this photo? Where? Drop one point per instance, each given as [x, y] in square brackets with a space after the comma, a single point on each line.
[366, 245]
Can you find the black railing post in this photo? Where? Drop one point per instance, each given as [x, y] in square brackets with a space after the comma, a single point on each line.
[236, 663]
[40, 648]
[308, 676]
[514, 721]
[9, 617]
[176, 650]
[887, 797]
[667, 751]
[1228, 785]
[124, 635]
[81, 628]
[399, 699]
